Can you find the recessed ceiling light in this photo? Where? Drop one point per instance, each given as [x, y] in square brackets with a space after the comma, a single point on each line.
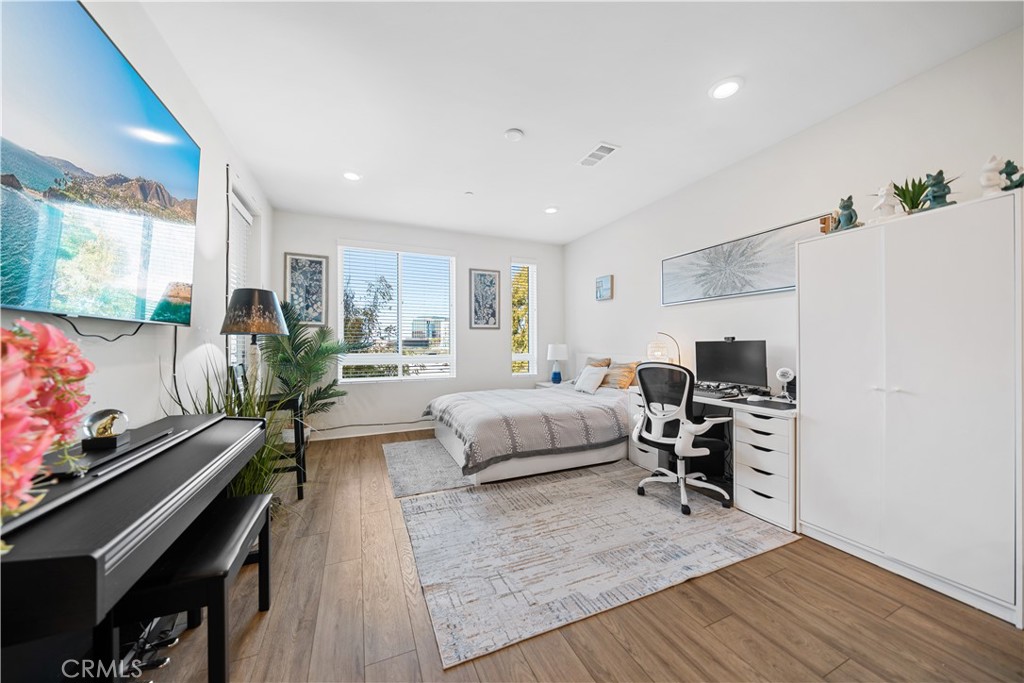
[468, 193]
[551, 209]
[514, 135]
[351, 175]
[726, 87]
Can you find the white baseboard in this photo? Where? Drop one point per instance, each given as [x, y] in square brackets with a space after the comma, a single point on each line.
[1004, 611]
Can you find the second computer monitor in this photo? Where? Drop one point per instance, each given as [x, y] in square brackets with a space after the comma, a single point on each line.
[732, 362]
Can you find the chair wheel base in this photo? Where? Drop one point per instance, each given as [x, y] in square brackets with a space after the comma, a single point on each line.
[685, 509]
[640, 491]
[727, 503]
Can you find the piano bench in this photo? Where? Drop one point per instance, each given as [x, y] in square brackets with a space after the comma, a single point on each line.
[196, 572]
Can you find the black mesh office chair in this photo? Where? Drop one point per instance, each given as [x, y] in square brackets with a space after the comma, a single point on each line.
[668, 424]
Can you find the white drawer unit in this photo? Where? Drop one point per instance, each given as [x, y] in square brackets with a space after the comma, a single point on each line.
[775, 442]
[639, 454]
[764, 450]
[774, 485]
[765, 459]
[762, 505]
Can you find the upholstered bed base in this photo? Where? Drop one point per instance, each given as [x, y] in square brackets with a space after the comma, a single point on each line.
[524, 467]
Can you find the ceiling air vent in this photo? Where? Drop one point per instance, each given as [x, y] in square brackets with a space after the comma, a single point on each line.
[598, 154]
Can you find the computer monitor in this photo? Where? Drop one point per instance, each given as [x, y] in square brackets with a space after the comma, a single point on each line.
[732, 362]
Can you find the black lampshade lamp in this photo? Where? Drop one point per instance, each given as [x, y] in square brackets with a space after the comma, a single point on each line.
[253, 312]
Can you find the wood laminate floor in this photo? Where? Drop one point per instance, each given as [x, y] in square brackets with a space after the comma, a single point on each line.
[347, 607]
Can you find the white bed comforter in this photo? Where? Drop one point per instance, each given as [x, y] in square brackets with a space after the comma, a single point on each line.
[501, 424]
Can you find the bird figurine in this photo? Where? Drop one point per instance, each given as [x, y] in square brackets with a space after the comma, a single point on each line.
[887, 203]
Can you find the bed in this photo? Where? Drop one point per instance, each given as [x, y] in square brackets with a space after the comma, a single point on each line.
[507, 433]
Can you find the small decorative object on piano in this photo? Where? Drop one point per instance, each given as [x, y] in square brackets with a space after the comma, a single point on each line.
[105, 429]
[43, 392]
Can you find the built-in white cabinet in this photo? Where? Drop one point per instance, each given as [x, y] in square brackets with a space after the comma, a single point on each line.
[910, 397]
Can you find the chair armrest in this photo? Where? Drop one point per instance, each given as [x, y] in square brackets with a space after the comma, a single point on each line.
[708, 423]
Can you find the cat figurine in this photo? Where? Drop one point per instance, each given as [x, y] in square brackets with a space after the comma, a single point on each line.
[938, 190]
[1009, 170]
[847, 214]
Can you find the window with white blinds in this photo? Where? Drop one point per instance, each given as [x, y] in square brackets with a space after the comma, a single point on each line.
[524, 319]
[240, 243]
[397, 313]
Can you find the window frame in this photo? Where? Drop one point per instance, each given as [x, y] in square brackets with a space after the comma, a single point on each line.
[244, 257]
[355, 359]
[531, 355]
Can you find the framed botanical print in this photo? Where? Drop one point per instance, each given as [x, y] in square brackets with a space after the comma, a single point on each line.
[305, 286]
[484, 299]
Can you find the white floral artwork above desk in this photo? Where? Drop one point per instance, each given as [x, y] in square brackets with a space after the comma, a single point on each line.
[757, 264]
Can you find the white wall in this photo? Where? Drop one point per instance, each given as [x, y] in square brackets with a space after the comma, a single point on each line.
[952, 117]
[483, 357]
[130, 373]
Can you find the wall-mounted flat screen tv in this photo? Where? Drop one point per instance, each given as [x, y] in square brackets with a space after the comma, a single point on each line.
[100, 181]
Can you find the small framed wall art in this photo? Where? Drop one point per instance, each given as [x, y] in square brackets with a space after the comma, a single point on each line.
[305, 286]
[484, 299]
[604, 287]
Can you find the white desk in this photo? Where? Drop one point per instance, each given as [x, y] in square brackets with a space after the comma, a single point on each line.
[764, 457]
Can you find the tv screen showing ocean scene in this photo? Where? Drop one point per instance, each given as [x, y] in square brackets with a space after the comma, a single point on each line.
[99, 180]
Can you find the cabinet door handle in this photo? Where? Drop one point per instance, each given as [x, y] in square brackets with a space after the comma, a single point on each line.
[763, 495]
[875, 387]
[758, 431]
[761, 417]
[760, 448]
[765, 473]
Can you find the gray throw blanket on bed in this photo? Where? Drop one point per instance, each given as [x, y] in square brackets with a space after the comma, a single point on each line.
[502, 424]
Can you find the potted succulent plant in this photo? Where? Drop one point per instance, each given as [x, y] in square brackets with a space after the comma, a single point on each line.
[911, 194]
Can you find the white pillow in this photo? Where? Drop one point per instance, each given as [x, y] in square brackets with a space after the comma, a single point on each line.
[590, 379]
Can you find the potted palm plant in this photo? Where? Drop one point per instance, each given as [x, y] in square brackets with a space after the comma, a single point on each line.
[218, 393]
[301, 360]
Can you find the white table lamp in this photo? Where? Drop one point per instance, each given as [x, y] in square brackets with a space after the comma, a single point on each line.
[557, 352]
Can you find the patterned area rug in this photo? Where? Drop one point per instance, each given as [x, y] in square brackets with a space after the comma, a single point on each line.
[416, 467]
[503, 562]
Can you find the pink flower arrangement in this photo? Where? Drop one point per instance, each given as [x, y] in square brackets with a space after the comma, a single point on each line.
[42, 393]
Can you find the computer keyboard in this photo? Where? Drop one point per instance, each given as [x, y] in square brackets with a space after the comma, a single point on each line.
[714, 393]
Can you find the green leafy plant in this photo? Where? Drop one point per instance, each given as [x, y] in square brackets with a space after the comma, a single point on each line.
[911, 194]
[219, 394]
[301, 360]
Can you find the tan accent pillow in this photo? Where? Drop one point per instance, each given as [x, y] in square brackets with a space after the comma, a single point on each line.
[620, 375]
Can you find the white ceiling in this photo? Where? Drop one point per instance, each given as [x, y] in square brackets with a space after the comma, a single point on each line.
[416, 96]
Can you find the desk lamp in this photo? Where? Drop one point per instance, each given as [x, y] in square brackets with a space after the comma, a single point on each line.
[253, 312]
[557, 352]
[658, 350]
